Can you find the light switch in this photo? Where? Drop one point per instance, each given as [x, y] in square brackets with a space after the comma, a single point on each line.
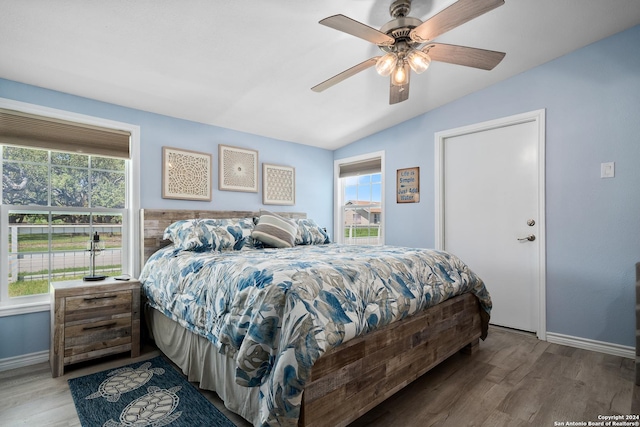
[607, 170]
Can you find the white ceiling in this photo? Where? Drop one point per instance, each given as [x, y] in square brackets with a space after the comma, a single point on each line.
[249, 65]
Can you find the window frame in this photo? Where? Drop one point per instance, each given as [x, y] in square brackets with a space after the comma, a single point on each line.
[130, 219]
[338, 215]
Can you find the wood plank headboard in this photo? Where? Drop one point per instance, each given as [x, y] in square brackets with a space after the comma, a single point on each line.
[154, 221]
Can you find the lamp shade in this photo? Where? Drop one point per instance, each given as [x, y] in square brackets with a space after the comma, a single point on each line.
[418, 61]
[400, 75]
[386, 64]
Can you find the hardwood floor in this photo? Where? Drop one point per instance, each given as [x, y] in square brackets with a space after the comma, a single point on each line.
[513, 380]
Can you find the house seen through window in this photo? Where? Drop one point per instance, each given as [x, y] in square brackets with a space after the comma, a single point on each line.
[361, 201]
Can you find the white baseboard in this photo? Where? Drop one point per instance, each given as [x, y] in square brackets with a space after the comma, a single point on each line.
[587, 344]
[24, 360]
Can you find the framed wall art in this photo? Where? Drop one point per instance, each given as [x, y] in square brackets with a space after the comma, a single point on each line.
[186, 174]
[408, 185]
[238, 169]
[278, 185]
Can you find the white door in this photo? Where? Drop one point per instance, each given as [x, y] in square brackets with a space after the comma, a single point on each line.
[492, 213]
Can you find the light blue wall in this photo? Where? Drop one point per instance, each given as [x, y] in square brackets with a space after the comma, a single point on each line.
[24, 334]
[29, 333]
[592, 102]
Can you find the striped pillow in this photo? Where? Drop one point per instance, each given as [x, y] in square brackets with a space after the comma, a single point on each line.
[274, 230]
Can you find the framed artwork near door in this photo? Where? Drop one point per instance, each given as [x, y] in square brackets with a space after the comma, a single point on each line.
[408, 185]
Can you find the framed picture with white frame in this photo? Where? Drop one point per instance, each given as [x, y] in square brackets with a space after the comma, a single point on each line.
[278, 185]
[186, 174]
[237, 169]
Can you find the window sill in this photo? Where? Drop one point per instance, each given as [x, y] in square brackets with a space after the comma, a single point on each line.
[17, 309]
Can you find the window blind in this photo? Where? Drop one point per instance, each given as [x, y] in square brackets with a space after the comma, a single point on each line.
[30, 130]
[361, 168]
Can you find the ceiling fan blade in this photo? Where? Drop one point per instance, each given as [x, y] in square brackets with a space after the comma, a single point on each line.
[358, 29]
[457, 14]
[345, 74]
[463, 55]
[399, 93]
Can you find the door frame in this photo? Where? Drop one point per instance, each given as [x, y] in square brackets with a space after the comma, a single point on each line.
[537, 116]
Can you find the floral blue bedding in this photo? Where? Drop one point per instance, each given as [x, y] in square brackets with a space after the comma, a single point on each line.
[276, 311]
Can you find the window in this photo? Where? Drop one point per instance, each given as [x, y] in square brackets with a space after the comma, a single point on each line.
[360, 199]
[53, 201]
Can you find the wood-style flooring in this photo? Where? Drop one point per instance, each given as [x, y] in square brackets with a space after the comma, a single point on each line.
[513, 380]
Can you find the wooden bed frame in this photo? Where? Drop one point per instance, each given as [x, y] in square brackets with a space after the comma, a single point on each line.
[353, 378]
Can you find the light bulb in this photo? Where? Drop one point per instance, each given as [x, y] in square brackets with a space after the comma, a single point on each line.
[400, 75]
[419, 61]
[386, 64]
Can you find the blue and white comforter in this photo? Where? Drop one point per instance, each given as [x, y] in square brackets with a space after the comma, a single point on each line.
[276, 311]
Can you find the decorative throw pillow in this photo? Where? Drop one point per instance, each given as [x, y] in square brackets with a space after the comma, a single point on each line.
[274, 230]
[227, 234]
[310, 233]
[210, 234]
[184, 234]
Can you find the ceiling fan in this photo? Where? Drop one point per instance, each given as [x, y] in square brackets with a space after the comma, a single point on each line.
[406, 43]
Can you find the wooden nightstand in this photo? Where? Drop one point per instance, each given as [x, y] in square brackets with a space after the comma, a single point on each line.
[93, 319]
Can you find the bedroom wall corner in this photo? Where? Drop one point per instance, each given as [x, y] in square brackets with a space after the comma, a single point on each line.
[592, 98]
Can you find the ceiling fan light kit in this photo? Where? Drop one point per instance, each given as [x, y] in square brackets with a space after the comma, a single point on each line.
[407, 43]
[419, 61]
[386, 64]
[400, 75]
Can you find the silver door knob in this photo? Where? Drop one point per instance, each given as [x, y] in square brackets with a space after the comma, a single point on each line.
[529, 238]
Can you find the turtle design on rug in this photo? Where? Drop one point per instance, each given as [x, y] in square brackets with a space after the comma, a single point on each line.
[153, 409]
[148, 393]
[124, 380]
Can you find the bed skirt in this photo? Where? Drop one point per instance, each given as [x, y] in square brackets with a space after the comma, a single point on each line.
[200, 361]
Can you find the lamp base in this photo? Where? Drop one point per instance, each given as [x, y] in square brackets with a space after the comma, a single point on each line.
[93, 278]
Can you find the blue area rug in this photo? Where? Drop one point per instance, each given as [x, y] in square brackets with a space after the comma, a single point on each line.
[149, 393]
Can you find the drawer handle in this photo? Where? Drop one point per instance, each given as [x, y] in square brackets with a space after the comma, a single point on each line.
[104, 297]
[108, 325]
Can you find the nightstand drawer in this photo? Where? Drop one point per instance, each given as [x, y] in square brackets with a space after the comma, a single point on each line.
[102, 305]
[93, 336]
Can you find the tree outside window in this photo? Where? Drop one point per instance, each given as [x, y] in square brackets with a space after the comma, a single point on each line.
[56, 201]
